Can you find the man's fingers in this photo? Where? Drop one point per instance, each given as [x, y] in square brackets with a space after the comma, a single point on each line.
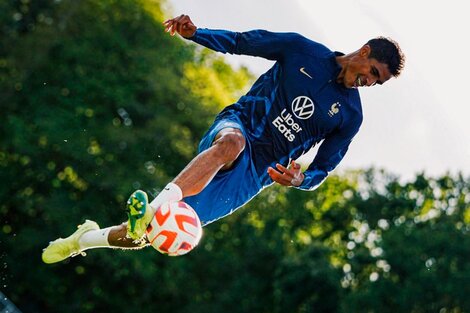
[278, 177]
[178, 24]
[168, 21]
[286, 176]
[275, 175]
[167, 25]
[295, 165]
[282, 168]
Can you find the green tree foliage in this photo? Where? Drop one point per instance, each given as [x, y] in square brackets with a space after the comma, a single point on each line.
[411, 246]
[97, 101]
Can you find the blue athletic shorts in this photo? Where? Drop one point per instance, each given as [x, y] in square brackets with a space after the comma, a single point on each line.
[232, 188]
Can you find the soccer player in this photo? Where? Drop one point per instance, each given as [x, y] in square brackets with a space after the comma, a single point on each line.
[310, 94]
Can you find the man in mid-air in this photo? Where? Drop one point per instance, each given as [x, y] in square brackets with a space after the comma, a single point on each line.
[310, 94]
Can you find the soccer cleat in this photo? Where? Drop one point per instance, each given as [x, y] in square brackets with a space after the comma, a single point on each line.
[139, 215]
[63, 248]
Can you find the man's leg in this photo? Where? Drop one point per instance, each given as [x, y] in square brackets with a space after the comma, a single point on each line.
[89, 236]
[112, 237]
[226, 147]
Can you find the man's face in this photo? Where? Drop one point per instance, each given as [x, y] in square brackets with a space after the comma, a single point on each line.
[363, 71]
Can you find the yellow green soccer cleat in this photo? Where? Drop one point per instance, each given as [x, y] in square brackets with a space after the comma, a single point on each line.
[62, 248]
[139, 215]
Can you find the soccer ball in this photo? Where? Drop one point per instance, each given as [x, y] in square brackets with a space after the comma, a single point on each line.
[175, 229]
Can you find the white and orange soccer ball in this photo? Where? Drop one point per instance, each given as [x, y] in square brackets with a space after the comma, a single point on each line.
[175, 229]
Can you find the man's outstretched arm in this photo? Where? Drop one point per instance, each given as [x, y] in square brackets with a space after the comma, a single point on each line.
[261, 43]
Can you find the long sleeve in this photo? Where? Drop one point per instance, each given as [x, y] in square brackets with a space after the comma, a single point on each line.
[259, 43]
[330, 154]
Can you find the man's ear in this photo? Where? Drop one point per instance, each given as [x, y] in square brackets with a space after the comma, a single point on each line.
[365, 51]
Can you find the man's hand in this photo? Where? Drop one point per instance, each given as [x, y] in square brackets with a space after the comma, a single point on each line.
[287, 176]
[181, 25]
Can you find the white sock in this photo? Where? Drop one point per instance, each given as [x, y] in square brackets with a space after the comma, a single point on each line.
[170, 193]
[95, 239]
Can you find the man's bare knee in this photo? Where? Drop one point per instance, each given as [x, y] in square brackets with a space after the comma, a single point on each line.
[229, 143]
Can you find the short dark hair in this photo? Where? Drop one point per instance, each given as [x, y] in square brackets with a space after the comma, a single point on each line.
[387, 51]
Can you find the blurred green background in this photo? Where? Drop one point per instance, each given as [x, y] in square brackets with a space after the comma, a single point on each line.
[98, 101]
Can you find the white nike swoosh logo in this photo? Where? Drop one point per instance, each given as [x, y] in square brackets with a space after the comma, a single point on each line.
[302, 70]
